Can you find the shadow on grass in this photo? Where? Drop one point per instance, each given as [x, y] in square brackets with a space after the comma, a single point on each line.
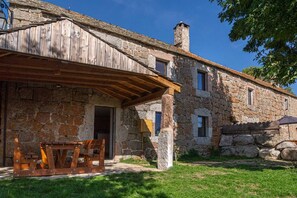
[251, 164]
[119, 185]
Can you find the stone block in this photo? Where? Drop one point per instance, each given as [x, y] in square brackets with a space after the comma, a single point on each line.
[68, 130]
[268, 153]
[289, 154]
[243, 140]
[226, 140]
[285, 144]
[228, 151]
[265, 140]
[165, 149]
[43, 117]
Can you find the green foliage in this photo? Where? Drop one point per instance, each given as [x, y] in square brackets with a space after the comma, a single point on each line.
[270, 29]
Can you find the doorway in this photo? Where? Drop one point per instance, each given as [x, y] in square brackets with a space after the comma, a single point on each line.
[104, 128]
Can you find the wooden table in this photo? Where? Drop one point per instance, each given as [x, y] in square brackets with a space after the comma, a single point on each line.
[55, 164]
[61, 148]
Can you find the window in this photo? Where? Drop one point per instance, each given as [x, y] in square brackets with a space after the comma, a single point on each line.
[161, 67]
[201, 81]
[286, 104]
[158, 117]
[202, 126]
[250, 96]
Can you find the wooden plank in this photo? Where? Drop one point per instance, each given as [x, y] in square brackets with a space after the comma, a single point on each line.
[75, 41]
[102, 153]
[92, 55]
[65, 39]
[101, 53]
[116, 59]
[146, 81]
[25, 41]
[3, 41]
[108, 56]
[12, 41]
[165, 82]
[50, 157]
[75, 157]
[56, 40]
[58, 171]
[34, 40]
[126, 89]
[147, 98]
[84, 45]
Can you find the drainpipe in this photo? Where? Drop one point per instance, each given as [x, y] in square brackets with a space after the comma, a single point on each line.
[5, 86]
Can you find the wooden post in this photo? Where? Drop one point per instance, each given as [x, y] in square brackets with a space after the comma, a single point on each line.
[165, 139]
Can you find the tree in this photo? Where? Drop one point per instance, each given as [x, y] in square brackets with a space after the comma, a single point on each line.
[270, 29]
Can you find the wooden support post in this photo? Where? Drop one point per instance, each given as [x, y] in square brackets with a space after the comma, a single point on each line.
[102, 153]
[165, 139]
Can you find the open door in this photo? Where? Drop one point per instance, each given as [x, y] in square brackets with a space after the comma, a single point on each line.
[103, 128]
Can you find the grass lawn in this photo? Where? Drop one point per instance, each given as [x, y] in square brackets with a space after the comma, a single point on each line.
[183, 180]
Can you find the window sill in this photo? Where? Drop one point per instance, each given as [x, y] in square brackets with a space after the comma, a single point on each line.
[203, 94]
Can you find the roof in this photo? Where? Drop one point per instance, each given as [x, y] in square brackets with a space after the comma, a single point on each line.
[113, 29]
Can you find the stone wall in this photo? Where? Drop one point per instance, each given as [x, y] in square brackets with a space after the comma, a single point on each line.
[49, 112]
[264, 144]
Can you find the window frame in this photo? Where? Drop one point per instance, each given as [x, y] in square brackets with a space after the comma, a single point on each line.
[204, 80]
[286, 104]
[156, 129]
[165, 66]
[204, 126]
[250, 96]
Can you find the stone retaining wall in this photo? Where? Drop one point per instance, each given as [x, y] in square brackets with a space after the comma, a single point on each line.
[263, 144]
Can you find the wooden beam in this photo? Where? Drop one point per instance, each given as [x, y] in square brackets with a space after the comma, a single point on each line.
[114, 94]
[138, 87]
[126, 89]
[166, 82]
[147, 98]
[146, 81]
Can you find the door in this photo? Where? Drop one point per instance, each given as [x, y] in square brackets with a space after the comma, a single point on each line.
[103, 128]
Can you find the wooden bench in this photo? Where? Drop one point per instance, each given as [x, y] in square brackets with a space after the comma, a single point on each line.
[94, 151]
[22, 161]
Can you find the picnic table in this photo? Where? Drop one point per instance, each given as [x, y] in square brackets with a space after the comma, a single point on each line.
[59, 158]
[61, 150]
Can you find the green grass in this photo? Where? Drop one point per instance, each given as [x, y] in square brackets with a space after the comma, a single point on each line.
[183, 180]
[141, 162]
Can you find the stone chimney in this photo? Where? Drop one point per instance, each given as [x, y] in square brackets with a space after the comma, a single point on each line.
[182, 36]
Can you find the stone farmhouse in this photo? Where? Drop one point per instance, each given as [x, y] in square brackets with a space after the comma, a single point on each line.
[66, 76]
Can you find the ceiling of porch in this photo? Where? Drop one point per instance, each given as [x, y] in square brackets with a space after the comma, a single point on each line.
[65, 53]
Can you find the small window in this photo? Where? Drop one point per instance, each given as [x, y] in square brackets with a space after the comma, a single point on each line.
[161, 67]
[201, 81]
[286, 104]
[250, 96]
[158, 117]
[202, 126]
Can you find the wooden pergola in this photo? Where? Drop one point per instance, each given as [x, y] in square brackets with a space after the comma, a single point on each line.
[67, 53]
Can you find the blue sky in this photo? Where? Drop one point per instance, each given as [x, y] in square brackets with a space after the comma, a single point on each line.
[156, 19]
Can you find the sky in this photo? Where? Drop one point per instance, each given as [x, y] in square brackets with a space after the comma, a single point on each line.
[157, 18]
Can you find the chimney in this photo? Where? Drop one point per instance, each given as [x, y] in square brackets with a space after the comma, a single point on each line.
[182, 36]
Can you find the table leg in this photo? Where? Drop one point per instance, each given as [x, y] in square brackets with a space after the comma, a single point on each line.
[63, 158]
[50, 157]
[75, 157]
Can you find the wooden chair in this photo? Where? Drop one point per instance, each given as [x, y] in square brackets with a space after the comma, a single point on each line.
[22, 161]
[94, 151]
